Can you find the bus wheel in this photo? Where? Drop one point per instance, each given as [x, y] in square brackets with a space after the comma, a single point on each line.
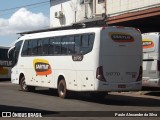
[62, 90]
[23, 85]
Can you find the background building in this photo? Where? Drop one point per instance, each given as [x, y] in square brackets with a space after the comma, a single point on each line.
[143, 14]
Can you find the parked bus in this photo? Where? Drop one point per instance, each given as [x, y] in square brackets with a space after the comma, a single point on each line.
[5, 63]
[95, 60]
[151, 59]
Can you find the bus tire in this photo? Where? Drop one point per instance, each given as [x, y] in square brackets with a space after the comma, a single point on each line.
[23, 85]
[62, 89]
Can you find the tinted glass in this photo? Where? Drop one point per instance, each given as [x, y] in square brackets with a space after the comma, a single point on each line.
[17, 49]
[85, 40]
[64, 45]
[87, 43]
[91, 40]
[51, 46]
[71, 45]
[3, 54]
[25, 48]
[18, 45]
[57, 45]
[40, 47]
[45, 46]
[77, 44]
[29, 47]
[34, 47]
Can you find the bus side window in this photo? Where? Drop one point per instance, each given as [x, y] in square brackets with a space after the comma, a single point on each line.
[85, 44]
[51, 46]
[40, 47]
[57, 45]
[45, 46]
[34, 47]
[64, 45]
[91, 40]
[71, 45]
[30, 47]
[77, 44]
[85, 40]
[25, 48]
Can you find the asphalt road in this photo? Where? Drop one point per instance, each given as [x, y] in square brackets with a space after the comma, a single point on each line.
[79, 105]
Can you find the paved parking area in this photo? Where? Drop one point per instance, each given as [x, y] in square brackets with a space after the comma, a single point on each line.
[47, 102]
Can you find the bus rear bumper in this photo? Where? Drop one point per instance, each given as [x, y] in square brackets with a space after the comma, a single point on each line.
[120, 87]
[151, 82]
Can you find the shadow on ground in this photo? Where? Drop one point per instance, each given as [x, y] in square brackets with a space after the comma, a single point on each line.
[5, 80]
[150, 91]
[110, 99]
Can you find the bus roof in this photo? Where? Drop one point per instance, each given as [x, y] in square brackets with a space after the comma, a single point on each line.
[79, 25]
[50, 33]
[58, 33]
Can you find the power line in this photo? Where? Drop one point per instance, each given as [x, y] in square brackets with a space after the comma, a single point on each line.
[9, 13]
[4, 10]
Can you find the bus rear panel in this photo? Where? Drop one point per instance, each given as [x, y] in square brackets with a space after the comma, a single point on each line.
[120, 61]
[5, 63]
[151, 60]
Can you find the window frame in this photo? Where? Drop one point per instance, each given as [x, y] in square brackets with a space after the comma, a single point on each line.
[52, 39]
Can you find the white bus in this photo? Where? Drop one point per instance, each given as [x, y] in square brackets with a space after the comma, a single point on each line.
[95, 60]
[5, 63]
[151, 59]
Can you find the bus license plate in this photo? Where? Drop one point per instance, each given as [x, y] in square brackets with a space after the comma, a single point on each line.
[121, 86]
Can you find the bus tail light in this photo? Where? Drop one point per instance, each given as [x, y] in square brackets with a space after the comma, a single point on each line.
[140, 74]
[99, 74]
[158, 65]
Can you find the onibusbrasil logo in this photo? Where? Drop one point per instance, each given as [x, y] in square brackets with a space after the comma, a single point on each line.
[42, 67]
[121, 37]
[147, 43]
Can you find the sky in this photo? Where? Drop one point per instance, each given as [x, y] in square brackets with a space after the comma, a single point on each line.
[24, 18]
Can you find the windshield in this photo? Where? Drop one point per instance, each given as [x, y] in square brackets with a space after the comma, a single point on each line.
[13, 52]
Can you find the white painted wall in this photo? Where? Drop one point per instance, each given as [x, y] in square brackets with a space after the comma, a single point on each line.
[72, 11]
[114, 7]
